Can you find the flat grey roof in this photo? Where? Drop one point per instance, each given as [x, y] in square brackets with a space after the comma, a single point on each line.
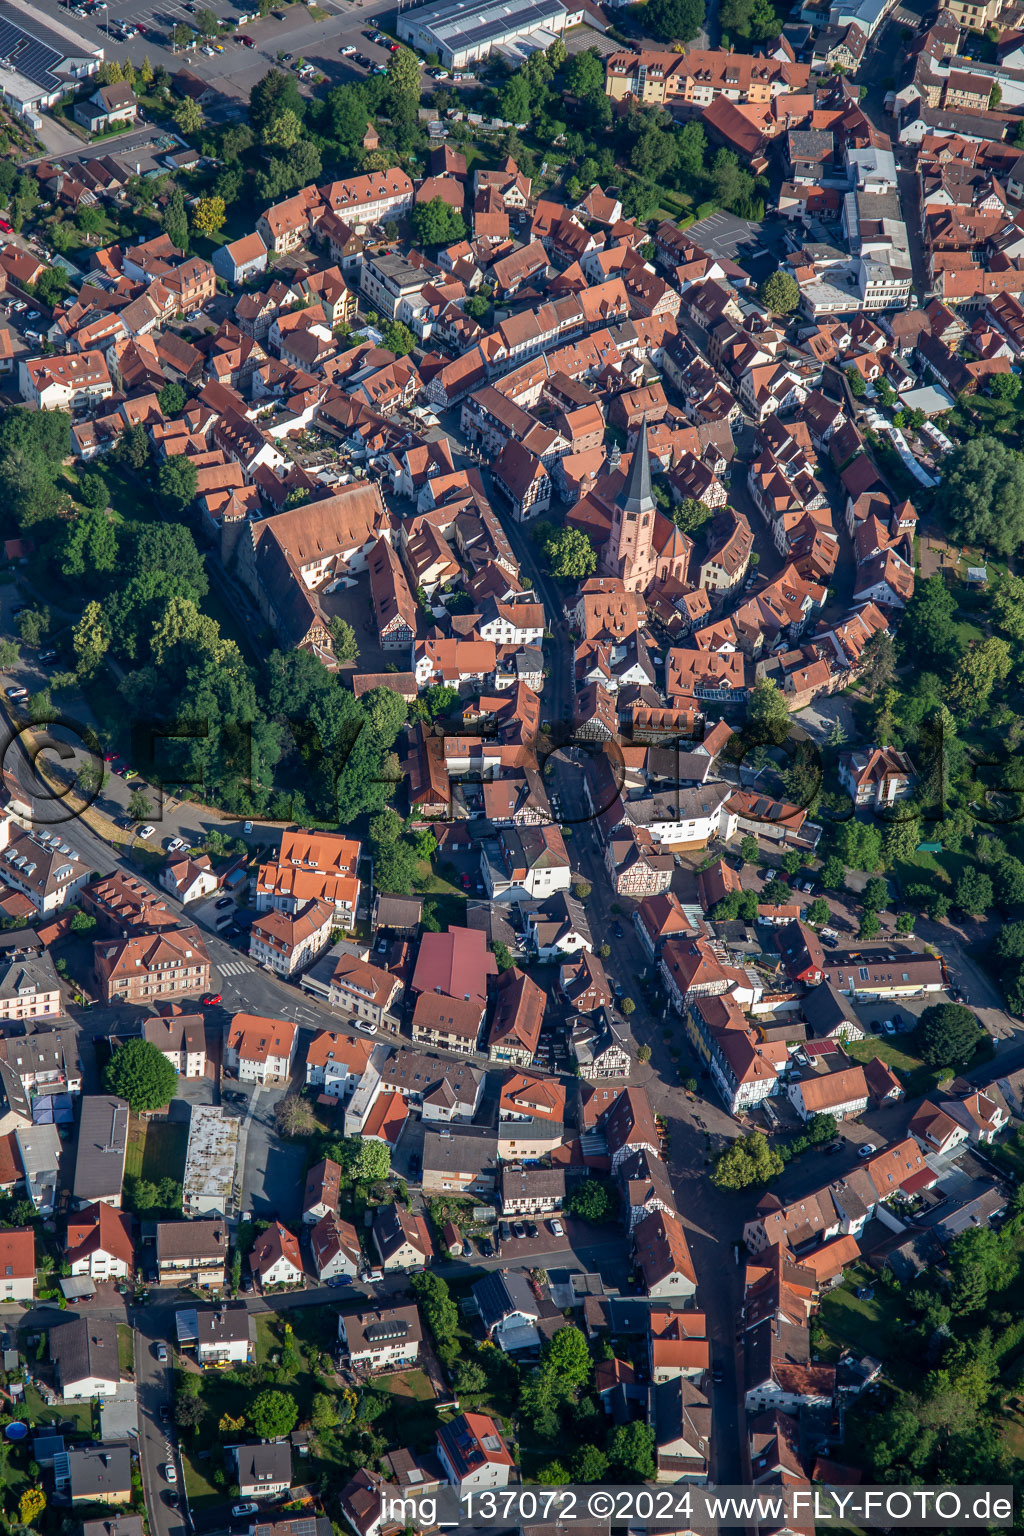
[463, 23]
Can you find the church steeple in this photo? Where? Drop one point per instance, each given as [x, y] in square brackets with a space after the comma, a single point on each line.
[636, 495]
[629, 551]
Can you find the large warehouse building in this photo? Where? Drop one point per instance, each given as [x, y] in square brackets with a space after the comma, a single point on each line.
[462, 31]
[39, 59]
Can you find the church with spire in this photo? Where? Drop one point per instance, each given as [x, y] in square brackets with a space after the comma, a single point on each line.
[630, 550]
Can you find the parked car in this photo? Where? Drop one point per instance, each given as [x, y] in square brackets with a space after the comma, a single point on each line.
[211, 999]
[867, 1149]
[16, 692]
[165, 1413]
[247, 827]
[487, 1248]
[505, 1232]
[368, 1027]
[888, 1027]
[348, 50]
[146, 831]
[247, 42]
[518, 1229]
[531, 1229]
[837, 1146]
[161, 1353]
[415, 1165]
[238, 1510]
[225, 901]
[556, 1227]
[170, 1473]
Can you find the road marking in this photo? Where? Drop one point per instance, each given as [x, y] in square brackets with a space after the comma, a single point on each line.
[235, 967]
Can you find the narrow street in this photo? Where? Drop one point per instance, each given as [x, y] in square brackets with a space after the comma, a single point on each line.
[696, 1127]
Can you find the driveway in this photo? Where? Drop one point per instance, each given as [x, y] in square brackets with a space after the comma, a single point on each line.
[274, 1169]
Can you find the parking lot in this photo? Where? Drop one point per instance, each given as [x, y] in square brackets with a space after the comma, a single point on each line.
[230, 65]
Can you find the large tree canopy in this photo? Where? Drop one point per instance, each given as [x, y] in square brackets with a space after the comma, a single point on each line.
[140, 1073]
[981, 498]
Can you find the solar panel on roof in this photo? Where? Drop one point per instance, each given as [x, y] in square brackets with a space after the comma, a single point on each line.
[396, 1328]
[36, 60]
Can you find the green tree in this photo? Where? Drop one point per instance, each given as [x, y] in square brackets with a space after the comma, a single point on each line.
[90, 639]
[403, 75]
[819, 912]
[189, 1410]
[51, 286]
[275, 93]
[875, 895]
[90, 543]
[206, 22]
[283, 131]
[272, 1415]
[437, 223]
[567, 1357]
[779, 293]
[34, 625]
[631, 1448]
[323, 1413]
[434, 1297]
[689, 514]
[870, 926]
[748, 1160]
[9, 653]
[175, 220]
[901, 840]
[346, 643]
[133, 447]
[171, 399]
[570, 554]
[981, 497]
[514, 102]
[589, 1465]
[176, 481]
[502, 956]
[367, 1160]
[674, 20]
[592, 1200]
[584, 75]
[140, 1073]
[750, 851]
[859, 845]
[878, 662]
[398, 338]
[1009, 882]
[553, 1475]
[1004, 386]
[188, 119]
[947, 1035]
[973, 892]
[138, 805]
[768, 720]
[821, 1128]
[928, 630]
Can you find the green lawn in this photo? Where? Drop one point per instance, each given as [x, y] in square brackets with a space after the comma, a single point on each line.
[411, 1418]
[156, 1150]
[863, 1326]
[915, 1076]
[78, 1416]
[126, 1349]
[201, 1492]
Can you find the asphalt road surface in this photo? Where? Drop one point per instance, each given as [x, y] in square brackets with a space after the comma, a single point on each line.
[235, 70]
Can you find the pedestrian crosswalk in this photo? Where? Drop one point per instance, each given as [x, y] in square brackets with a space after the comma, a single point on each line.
[236, 967]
